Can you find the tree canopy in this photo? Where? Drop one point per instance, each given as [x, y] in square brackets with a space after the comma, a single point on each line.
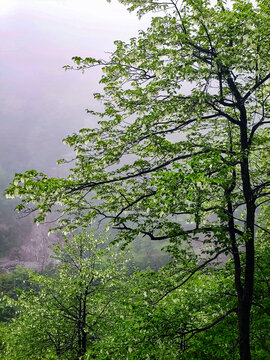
[180, 151]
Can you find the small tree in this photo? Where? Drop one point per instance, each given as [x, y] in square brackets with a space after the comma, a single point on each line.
[181, 147]
[67, 314]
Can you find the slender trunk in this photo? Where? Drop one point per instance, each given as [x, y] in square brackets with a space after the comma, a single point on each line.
[244, 309]
[245, 301]
[244, 305]
[84, 314]
[245, 290]
[82, 334]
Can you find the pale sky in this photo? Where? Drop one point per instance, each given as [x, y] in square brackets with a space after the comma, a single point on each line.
[40, 103]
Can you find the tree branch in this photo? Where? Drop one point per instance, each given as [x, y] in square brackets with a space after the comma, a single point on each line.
[209, 326]
[132, 176]
[258, 84]
[190, 275]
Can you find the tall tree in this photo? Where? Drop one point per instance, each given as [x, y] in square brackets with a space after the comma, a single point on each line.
[181, 145]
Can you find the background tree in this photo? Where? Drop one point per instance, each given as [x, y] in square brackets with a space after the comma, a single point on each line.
[181, 145]
[66, 314]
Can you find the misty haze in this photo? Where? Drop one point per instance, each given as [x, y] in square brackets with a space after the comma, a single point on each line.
[41, 103]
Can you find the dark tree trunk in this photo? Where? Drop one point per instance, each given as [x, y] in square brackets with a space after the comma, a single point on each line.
[245, 301]
[245, 298]
[244, 309]
[244, 283]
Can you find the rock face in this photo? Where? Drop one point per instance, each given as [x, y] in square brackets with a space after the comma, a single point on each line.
[34, 252]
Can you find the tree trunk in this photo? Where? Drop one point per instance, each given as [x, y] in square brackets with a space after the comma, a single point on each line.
[245, 301]
[244, 285]
[244, 329]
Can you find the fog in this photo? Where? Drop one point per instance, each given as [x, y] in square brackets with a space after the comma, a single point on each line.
[40, 102]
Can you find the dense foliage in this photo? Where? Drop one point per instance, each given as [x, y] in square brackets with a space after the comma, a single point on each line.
[179, 155]
[91, 300]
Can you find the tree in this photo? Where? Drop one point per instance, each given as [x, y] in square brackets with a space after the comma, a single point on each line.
[67, 313]
[181, 145]
[161, 319]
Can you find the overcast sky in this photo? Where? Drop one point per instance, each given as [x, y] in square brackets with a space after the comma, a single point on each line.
[40, 103]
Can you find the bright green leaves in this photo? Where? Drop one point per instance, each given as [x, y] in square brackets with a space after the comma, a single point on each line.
[37, 189]
[171, 313]
[77, 303]
[83, 64]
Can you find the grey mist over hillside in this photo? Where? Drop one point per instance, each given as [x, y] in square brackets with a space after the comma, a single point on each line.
[40, 102]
